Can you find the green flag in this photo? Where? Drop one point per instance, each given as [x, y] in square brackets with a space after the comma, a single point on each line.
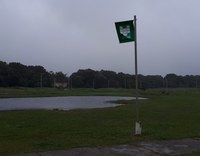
[125, 31]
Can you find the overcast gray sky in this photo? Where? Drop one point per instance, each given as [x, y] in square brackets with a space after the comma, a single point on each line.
[67, 35]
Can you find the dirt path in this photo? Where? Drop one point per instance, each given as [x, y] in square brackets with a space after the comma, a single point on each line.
[150, 148]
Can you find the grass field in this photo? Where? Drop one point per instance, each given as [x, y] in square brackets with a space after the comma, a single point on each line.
[190, 154]
[171, 115]
[48, 92]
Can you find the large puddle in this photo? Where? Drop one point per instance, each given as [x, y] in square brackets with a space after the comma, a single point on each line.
[61, 103]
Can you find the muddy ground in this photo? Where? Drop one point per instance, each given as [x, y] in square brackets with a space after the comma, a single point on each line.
[149, 148]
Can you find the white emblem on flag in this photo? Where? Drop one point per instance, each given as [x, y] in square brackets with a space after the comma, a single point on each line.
[125, 31]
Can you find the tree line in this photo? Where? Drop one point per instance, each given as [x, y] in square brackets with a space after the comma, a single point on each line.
[19, 75]
[108, 79]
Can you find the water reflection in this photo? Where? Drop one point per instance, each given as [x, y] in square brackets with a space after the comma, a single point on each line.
[63, 103]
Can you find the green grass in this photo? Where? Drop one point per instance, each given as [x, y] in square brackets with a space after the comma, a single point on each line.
[174, 115]
[191, 154]
[19, 92]
[44, 130]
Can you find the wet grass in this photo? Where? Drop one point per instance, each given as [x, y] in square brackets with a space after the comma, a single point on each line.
[165, 115]
[191, 154]
[23, 131]
[19, 92]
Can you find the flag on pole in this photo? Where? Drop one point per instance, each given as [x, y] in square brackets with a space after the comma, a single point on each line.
[125, 31]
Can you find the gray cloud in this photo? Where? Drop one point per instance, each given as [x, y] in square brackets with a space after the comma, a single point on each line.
[66, 35]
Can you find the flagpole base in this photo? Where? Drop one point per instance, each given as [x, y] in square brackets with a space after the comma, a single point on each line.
[138, 128]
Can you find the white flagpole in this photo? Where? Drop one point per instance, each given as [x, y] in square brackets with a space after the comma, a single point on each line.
[137, 123]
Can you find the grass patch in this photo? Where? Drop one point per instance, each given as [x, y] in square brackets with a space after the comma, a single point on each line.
[191, 154]
[24, 131]
[174, 115]
[20, 92]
